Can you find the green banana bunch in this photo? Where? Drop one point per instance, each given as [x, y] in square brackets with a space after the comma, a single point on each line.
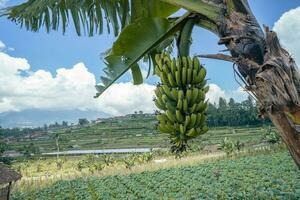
[180, 97]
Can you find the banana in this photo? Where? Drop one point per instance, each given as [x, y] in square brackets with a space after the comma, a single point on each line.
[167, 58]
[180, 104]
[159, 61]
[199, 119]
[180, 94]
[196, 64]
[195, 93]
[194, 77]
[171, 107]
[170, 116]
[157, 92]
[204, 129]
[184, 62]
[193, 108]
[157, 71]
[174, 93]
[160, 105]
[178, 78]
[164, 79]
[166, 127]
[202, 74]
[189, 76]
[178, 64]
[161, 90]
[179, 116]
[191, 132]
[167, 91]
[163, 129]
[202, 84]
[173, 67]
[165, 99]
[206, 89]
[198, 131]
[193, 121]
[201, 96]
[190, 62]
[201, 107]
[187, 121]
[183, 76]
[166, 69]
[189, 95]
[157, 58]
[185, 106]
[182, 129]
[171, 80]
[162, 118]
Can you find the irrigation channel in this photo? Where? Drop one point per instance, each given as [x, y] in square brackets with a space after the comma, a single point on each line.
[100, 151]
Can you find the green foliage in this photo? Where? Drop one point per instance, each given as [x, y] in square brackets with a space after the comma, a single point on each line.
[88, 16]
[270, 176]
[107, 159]
[271, 136]
[83, 122]
[30, 150]
[130, 161]
[136, 41]
[59, 164]
[91, 162]
[3, 146]
[227, 146]
[181, 97]
[233, 113]
[147, 157]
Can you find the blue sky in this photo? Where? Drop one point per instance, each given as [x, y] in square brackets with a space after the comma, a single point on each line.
[53, 51]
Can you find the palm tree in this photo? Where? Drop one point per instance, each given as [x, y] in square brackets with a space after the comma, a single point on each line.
[145, 28]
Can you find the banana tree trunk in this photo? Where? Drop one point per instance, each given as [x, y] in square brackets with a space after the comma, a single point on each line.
[268, 71]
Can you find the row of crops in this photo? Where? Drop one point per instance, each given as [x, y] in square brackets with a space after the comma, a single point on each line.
[268, 176]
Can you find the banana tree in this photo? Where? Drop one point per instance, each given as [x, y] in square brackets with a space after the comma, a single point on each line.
[144, 28]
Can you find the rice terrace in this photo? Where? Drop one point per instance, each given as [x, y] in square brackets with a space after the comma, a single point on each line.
[196, 99]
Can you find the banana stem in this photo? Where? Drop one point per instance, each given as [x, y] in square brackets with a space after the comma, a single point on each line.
[184, 41]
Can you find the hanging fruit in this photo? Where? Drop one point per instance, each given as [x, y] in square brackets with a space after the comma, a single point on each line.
[180, 97]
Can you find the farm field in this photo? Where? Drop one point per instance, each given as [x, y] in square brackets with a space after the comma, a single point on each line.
[266, 175]
[129, 132]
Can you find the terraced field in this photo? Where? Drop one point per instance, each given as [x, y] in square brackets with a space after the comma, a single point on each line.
[129, 132]
[265, 176]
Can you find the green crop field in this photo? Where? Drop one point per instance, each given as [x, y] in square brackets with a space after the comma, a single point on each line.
[129, 132]
[265, 176]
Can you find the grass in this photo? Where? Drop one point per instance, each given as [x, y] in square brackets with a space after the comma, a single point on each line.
[264, 174]
[48, 173]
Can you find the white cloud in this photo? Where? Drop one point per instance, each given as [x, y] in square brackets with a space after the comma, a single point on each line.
[69, 89]
[2, 45]
[215, 92]
[288, 30]
[73, 88]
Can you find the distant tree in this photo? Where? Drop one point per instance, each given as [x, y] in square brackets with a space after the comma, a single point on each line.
[3, 145]
[65, 124]
[234, 113]
[45, 129]
[30, 150]
[140, 112]
[83, 121]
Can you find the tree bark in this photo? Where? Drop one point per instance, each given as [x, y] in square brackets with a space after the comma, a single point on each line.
[268, 71]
